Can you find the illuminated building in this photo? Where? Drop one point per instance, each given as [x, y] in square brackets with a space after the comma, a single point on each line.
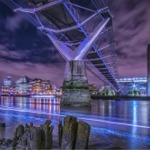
[38, 86]
[92, 87]
[59, 91]
[7, 81]
[7, 90]
[7, 86]
[22, 85]
[106, 91]
[27, 86]
[148, 69]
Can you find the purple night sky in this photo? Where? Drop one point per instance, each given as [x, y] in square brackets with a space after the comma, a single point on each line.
[26, 51]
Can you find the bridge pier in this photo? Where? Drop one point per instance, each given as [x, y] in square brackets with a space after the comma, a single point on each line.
[75, 85]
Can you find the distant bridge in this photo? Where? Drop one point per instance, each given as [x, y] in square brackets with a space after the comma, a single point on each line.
[80, 29]
[128, 84]
[132, 79]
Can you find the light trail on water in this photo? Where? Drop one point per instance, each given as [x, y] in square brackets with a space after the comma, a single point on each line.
[81, 118]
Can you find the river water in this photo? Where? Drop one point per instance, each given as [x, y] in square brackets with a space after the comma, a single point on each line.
[114, 124]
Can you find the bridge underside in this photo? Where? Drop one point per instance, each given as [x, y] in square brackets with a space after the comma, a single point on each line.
[69, 24]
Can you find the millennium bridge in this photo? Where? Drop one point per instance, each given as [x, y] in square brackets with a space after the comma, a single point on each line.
[82, 32]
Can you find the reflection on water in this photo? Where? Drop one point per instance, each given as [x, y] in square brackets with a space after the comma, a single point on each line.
[22, 110]
[135, 112]
[41, 104]
[113, 120]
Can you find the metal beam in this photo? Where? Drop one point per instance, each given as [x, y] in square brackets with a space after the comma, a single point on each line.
[103, 68]
[48, 5]
[91, 59]
[94, 59]
[101, 76]
[87, 44]
[70, 28]
[103, 48]
[97, 65]
[78, 6]
[38, 9]
[106, 14]
[11, 4]
[72, 43]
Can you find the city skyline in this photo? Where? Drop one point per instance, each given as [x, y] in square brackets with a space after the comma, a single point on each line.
[27, 86]
[26, 51]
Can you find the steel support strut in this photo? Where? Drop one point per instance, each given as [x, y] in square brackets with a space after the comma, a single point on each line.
[33, 10]
[87, 44]
[80, 52]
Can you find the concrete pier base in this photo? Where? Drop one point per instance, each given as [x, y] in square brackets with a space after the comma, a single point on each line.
[75, 86]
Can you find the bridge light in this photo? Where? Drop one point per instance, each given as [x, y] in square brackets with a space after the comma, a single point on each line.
[134, 86]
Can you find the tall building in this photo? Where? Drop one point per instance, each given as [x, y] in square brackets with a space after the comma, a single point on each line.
[7, 81]
[38, 86]
[148, 70]
[27, 86]
[22, 85]
[7, 86]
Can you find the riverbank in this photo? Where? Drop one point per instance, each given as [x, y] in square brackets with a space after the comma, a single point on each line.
[72, 134]
[7, 95]
[95, 97]
[27, 95]
[120, 97]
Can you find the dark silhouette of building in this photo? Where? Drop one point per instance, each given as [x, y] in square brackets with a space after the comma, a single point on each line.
[148, 69]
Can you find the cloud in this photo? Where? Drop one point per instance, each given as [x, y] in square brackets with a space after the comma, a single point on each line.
[6, 53]
[13, 22]
[47, 72]
[43, 55]
[132, 34]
